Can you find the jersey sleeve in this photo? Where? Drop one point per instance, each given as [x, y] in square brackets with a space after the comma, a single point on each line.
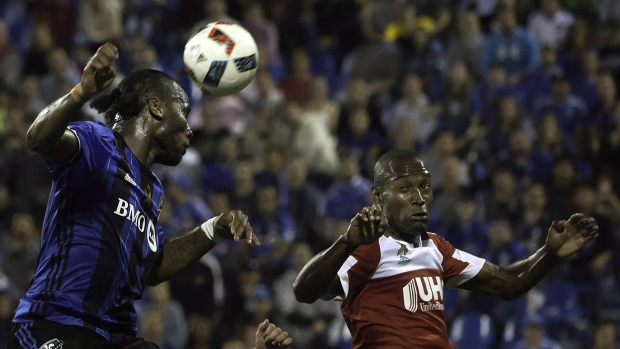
[358, 268]
[96, 144]
[458, 266]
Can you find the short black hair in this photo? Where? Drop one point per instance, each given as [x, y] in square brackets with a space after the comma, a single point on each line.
[383, 167]
[132, 94]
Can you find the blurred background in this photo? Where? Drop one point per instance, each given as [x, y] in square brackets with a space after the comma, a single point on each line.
[512, 104]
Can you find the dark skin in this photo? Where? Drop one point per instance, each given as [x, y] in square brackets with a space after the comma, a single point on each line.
[401, 204]
[159, 133]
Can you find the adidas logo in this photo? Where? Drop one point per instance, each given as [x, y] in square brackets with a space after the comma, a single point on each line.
[129, 179]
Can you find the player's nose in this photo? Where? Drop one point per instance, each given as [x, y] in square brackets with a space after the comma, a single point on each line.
[189, 132]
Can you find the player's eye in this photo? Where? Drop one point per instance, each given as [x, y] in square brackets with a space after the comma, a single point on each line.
[425, 186]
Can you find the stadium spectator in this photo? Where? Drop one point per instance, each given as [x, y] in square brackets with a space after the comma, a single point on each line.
[348, 194]
[467, 44]
[550, 24]
[301, 200]
[167, 311]
[531, 226]
[19, 252]
[297, 86]
[10, 60]
[101, 21]
[413, 106]
[188, 209]
[423, 54]
[533, 335]
[511, 45]
[277, 230]
[363, 141]
[569, 110]
[306, 323]
[320, 106]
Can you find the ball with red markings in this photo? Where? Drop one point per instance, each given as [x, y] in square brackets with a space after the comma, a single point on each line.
[221, 58]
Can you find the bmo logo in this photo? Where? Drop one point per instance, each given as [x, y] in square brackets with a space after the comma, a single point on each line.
[424, 293]
[52, 344]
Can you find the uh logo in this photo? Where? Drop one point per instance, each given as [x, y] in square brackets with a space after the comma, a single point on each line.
[424, 293]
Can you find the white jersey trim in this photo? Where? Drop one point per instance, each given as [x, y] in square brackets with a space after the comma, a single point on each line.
[343, 274]
[79, 144]
[474, 265]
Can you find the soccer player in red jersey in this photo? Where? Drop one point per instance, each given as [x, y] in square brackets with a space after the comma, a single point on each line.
[389, 272]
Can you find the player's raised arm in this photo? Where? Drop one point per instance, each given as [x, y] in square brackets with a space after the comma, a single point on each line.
[512, 281]
[319, 277]
[179, 253]
[48, 134]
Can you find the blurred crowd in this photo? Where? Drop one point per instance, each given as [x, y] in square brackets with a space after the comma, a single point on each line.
[512, 104]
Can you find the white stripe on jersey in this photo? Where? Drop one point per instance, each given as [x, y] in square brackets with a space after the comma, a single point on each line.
[474, 264]
[344, 276]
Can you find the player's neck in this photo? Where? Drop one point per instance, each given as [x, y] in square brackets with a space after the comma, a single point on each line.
[139, 144]
[414, 239]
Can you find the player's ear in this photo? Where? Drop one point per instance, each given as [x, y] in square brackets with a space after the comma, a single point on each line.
[376, 195]
[156, 108]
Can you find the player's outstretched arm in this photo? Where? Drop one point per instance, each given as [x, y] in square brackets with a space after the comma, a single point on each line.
[179, 253]
[512, 281]
[48, 134]
[268, 336]
[319, 277]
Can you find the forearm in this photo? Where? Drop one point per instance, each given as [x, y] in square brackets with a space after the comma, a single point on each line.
[522, 275]
[51, 123]
[179, 253]
[315, 279]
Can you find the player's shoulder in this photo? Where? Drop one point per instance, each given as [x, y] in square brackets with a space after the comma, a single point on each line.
[440, 244]
[90, 127]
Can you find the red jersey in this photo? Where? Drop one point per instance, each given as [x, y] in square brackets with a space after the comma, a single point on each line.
[394, 292]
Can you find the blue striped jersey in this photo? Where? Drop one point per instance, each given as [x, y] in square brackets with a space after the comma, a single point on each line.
[100, 237]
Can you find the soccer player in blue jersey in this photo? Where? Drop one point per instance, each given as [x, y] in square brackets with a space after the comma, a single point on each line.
[101, 243]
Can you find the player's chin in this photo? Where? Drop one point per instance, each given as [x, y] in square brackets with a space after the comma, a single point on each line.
[172, 159]
[417, 227]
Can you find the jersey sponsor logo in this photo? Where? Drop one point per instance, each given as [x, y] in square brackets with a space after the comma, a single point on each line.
[424, 293]
[125, 209]
[129, 180]
[52, 344]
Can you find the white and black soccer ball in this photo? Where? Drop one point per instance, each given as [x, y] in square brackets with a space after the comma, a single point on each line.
[221, 58]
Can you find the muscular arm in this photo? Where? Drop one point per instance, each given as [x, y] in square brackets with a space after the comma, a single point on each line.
[511, 281]
[48, 134]
[178, 254]
[320, 276]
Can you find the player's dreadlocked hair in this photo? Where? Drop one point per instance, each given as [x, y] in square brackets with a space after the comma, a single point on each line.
[131, 95]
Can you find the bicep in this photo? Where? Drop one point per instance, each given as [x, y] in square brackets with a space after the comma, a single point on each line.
[64, 150]
[490, 279]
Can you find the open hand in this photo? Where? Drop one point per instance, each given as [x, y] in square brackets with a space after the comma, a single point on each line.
[233, 225]
[568, 237]
[268, 336]
[98, 73]
[366, 227]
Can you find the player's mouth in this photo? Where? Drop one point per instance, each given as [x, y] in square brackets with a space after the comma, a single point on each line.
[420, 216]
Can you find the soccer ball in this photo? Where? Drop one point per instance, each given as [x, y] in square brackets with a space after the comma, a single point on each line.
[221, 58]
